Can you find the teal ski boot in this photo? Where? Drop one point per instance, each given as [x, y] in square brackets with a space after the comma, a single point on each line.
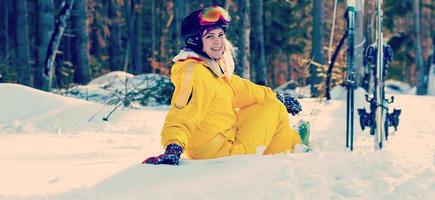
[304, 131]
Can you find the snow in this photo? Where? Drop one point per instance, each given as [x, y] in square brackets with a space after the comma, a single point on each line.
[398, 87]
[112, 77]
[291, 88]
[55, 147]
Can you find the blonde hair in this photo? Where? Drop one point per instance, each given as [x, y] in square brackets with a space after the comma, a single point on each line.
[227, 60]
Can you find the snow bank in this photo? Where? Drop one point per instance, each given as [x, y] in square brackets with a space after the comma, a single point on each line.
[27, 110]
[118, 87]
[397, 87]
[112, 77]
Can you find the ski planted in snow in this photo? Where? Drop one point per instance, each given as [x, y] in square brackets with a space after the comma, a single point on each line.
[377, 57]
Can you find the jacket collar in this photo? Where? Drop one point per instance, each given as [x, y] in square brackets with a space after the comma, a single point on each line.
[186, 54]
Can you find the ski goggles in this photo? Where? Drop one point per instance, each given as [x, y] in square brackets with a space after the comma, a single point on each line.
[213, 14]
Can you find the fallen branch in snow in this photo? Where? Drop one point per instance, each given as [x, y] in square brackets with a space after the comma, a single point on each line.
[113, 110]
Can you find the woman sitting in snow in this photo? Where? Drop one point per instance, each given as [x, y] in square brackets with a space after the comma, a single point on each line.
[215, 113]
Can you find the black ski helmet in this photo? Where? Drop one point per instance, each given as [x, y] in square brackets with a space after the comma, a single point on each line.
[194, 24]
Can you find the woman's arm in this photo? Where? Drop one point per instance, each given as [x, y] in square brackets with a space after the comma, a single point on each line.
[190, 102]
[248, 93]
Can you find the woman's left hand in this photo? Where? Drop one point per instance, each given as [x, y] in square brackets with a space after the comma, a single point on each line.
[291, 104]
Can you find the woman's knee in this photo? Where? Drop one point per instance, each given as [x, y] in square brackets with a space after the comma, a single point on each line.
[275, 106]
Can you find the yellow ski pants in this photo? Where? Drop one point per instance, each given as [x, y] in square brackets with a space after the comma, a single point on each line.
[265, 124]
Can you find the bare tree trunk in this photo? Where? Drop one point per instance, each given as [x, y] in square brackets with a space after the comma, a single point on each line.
[180, 12]
[431, 59]
[137, 31]
[368, 22]
[421, 75]
[244, 40]
[167, 17]
[95, 49]
[53, 44]
[317, 38]
[115, 56]
[260, 65]
[162, 44]
[4, 51]
[130, 35]
[145, 35]
[22, 51]
[153, 33]
[431, 73]
[289, 67]
[131, 19]
[80, 49]
[7, 27]
[45, 30]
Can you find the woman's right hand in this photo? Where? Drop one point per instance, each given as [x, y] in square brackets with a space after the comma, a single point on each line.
[170, 157]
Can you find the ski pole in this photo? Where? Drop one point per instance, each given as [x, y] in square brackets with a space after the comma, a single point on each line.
[350, 82]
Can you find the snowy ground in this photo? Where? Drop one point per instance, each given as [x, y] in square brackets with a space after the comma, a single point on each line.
[54, 147]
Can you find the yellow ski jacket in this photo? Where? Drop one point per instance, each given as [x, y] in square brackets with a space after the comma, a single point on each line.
[205, 103]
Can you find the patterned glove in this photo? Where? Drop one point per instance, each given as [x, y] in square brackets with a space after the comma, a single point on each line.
[293, 106]
[170, 157]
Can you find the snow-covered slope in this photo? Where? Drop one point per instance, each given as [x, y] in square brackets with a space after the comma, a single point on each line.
[51, 149]
[26, 110]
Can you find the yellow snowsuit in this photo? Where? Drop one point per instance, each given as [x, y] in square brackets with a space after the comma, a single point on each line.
[213, 115]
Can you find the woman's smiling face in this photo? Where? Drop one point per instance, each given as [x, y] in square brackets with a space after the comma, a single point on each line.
[213, 43]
